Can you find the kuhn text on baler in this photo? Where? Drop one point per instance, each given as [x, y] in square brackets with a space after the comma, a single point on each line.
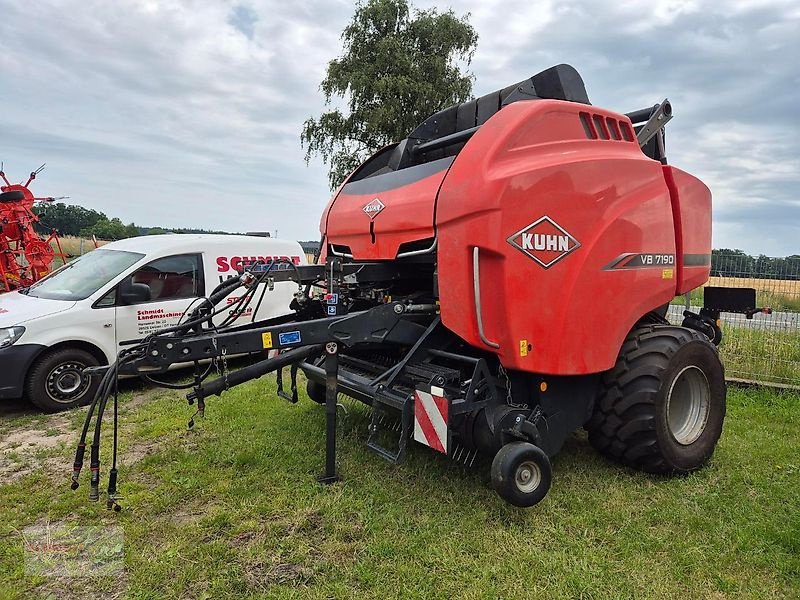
[496, 280]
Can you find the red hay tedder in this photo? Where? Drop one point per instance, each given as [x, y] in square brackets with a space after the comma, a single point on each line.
[25, 257]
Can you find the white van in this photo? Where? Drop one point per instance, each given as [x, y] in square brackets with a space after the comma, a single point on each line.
[78, 315]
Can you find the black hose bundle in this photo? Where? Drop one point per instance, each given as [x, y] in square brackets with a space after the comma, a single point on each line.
[201, 315]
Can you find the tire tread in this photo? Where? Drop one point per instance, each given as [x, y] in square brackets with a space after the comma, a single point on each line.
[623, 425]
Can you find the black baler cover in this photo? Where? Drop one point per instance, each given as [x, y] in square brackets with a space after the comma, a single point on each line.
[561, 82]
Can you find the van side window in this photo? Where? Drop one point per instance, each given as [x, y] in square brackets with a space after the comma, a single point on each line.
[171, 277]
[108, 300]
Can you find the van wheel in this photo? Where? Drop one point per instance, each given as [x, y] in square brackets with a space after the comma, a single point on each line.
[316, 391]
[54, 382]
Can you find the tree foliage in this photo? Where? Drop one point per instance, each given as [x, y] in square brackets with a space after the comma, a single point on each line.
[737, 263]
[110, 229]
[399, 65]
[67, 219]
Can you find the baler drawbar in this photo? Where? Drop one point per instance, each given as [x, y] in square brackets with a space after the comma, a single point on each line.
[495, 281]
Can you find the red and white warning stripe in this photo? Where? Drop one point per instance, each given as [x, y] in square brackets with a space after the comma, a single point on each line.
[430, 418]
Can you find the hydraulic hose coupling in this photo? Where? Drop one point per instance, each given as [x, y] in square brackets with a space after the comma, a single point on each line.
[111, 503]
[94, 481]
[78, 465]
[247, 278]
[94, 484]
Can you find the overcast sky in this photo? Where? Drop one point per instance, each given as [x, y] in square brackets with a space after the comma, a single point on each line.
[189, 113]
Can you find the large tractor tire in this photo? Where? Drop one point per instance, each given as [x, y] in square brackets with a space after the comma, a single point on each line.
[662, 406]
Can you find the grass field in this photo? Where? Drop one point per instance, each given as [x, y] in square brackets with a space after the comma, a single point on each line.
[761, 354]
[231, 510]
[74, 246]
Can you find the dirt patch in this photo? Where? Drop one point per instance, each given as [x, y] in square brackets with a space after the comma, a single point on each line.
[129, 455]
[260, 575]
[28, 447]
[86, 588]
[138, 399]
[31, 440]
[20, 450]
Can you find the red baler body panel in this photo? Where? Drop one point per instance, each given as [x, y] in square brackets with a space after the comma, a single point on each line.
[406, 208]
[578, 236]
[691, 207]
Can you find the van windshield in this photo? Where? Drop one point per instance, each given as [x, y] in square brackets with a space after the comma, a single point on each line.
[83, 276]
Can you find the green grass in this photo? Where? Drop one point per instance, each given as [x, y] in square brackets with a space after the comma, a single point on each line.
[761, 354]
[231, 510]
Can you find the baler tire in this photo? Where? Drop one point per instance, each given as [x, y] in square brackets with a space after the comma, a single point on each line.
[659, 368]
[521, 474]
[315, 391]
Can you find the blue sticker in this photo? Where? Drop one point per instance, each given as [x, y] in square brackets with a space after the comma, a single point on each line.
[332, 311]
[332, 299]
[290, 337]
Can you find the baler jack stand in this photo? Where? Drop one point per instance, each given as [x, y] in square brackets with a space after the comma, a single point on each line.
[331, 396]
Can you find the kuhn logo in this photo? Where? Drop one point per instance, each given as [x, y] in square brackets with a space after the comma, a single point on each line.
[545, 241]
[373, 208]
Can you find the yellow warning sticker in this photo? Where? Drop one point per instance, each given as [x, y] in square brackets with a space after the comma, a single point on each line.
[266, 340]
[667, 274]
[523, 347]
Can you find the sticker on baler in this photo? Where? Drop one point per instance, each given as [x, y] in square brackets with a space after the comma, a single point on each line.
[289, 337]
[545, 241]
[634, 260]
[430, 419]
[266, 340]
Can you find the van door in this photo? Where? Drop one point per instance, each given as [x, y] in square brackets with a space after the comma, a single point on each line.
[158, 295]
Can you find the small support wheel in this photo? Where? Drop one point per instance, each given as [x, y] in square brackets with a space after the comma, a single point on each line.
[521, 474]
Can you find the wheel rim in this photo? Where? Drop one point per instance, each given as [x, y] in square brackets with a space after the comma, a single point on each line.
[528, 476]
[65, 384]
[688, 405]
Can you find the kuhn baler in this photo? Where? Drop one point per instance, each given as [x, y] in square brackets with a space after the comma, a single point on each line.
[495, 281]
